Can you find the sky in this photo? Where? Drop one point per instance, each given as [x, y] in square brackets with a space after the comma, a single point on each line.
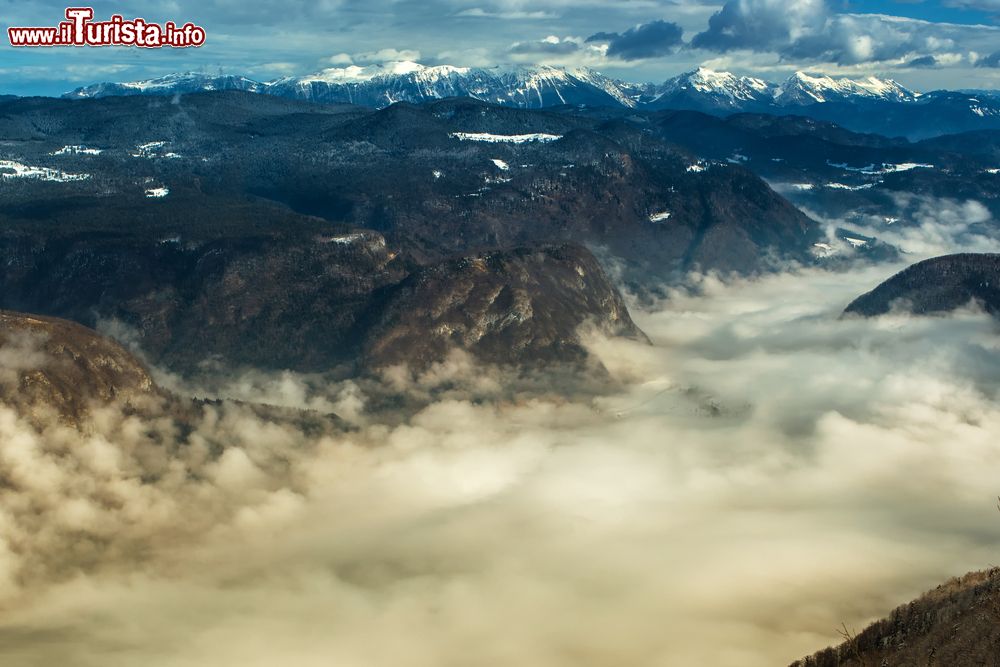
[925, 44]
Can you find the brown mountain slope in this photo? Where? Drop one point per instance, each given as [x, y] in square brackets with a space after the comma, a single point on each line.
[955, 625]
[48, 362]
[506, 307]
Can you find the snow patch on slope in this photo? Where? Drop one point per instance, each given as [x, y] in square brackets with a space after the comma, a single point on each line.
[505, 138]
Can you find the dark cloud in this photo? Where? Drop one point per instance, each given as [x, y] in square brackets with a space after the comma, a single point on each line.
[810, 30]
[649, 40]
[602, 37]
[992, 60]
[760, 25]
[923, 61]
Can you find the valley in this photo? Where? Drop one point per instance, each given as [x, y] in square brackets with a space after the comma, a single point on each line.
[684, 373]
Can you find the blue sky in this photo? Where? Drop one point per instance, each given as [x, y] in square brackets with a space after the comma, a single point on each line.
[924, 44]
[971, 13]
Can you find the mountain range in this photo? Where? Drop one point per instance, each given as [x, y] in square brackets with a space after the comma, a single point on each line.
[526, 87]
[870, 104]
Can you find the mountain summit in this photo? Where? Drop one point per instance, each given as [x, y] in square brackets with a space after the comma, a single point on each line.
[802, 89]
[704, 87]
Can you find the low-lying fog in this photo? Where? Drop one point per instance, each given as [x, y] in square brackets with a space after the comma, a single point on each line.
[763, 473]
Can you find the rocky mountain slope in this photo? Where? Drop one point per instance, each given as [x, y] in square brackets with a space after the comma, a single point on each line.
[956, 624]
[311, 298]
[48, 363]
[507, 306]
[937, 286]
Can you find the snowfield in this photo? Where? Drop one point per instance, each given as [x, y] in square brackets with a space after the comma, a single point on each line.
[505, 138]
[885, 168]
[148, 149]
[10, 169]
[853, 188]
[343, 239]
[77, 150]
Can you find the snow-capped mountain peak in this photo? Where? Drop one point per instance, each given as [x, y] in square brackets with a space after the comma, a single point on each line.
[523, 86]
[718, 89]
[379, 85]
[803, 88]
[710, 81]
[180, 82]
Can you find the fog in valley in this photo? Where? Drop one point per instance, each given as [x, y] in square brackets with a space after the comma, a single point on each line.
[765, 471]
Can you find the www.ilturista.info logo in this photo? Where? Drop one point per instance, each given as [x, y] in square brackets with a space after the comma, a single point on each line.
[79, 29]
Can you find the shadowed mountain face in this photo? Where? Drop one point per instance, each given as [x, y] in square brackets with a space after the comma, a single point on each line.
[958, 623]
[280, 300]
[309, 298]
[51, 363]
[826, 168]
[521, 305]
[937, 286]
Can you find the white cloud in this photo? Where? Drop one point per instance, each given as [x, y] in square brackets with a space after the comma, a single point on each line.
[384, 56]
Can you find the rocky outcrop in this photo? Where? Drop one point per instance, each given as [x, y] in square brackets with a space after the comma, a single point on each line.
[509, 307]
[47, 363]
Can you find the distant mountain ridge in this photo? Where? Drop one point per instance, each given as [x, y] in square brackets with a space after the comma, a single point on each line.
[869, 104]
[525, 87]
[379, 86]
